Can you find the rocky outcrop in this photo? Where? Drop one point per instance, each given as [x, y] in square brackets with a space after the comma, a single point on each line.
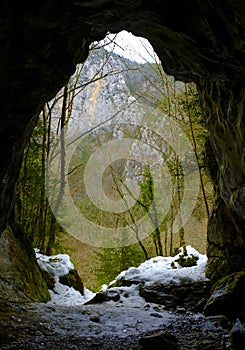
[223, 106]
[21, 279]
[181, 297]
[102, 297]
[237, 335]
[201, 41]
[227, 296]
[72, 279]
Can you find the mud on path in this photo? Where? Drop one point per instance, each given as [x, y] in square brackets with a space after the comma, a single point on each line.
[104, 326]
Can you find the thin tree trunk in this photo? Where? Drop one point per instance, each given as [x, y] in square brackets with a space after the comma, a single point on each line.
[196, 154]
[181, 231]
[166, 243]
[41, 224]
[134, 227]
[171, 231]
[51, 239]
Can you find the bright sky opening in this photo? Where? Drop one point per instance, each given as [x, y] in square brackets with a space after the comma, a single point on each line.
[130, 46]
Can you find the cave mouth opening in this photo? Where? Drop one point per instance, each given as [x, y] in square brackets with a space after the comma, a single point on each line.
[124, 98]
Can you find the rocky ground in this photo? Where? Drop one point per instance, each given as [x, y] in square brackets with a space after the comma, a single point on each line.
[108, 326]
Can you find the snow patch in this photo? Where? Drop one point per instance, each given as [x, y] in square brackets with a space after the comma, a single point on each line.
[68, 296]
[57, 265]
[60, 265]
[164, 270]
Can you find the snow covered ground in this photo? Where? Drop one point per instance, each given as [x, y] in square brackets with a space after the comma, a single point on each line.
[165, 270]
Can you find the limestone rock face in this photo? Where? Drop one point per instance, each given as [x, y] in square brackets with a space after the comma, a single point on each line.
[21, 279]
[201, 41]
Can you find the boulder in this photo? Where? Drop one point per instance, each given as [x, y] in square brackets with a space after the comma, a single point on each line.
[191, 296]
[72, 279]
[237, 336]
[208, 345]
[49, 279]
[123, 282]
[159, 294]
[227, 296]
[102, 297]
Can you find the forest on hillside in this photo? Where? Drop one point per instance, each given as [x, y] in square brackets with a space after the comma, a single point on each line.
[110, 98]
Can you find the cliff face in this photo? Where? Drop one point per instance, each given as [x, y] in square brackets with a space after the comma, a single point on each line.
[115, 93]
[201, 41]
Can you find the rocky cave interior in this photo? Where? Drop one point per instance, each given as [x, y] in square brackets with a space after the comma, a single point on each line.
[200, 41]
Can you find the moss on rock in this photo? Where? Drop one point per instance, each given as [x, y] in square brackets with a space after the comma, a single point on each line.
[21, 279]
[187, 261]
[72, 279]
[227, 296]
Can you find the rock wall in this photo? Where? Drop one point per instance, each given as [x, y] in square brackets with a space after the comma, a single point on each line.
[223, 105]
[201, 41]
[21, 279]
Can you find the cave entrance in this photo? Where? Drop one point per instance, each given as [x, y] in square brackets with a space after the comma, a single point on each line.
[119, 101]
[41, 45]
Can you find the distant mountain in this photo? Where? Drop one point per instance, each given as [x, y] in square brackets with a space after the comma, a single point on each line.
[121, 91]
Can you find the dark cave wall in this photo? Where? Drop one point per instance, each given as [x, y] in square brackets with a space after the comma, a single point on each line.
[201, 41]
[39, 50]
[223, 104]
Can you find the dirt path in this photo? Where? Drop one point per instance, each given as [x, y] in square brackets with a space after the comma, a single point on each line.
[104, 326]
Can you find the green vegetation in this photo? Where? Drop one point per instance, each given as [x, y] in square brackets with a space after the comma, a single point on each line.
[187, 261]
[113, 261]
[32, 213]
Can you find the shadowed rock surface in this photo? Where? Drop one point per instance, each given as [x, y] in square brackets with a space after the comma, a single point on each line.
[72, 279]
[21, 279]
[227, 296]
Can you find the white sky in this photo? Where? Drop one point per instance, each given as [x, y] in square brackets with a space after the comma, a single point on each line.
[132, 47]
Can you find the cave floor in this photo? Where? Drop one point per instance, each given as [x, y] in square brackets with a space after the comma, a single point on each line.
[105, 326]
